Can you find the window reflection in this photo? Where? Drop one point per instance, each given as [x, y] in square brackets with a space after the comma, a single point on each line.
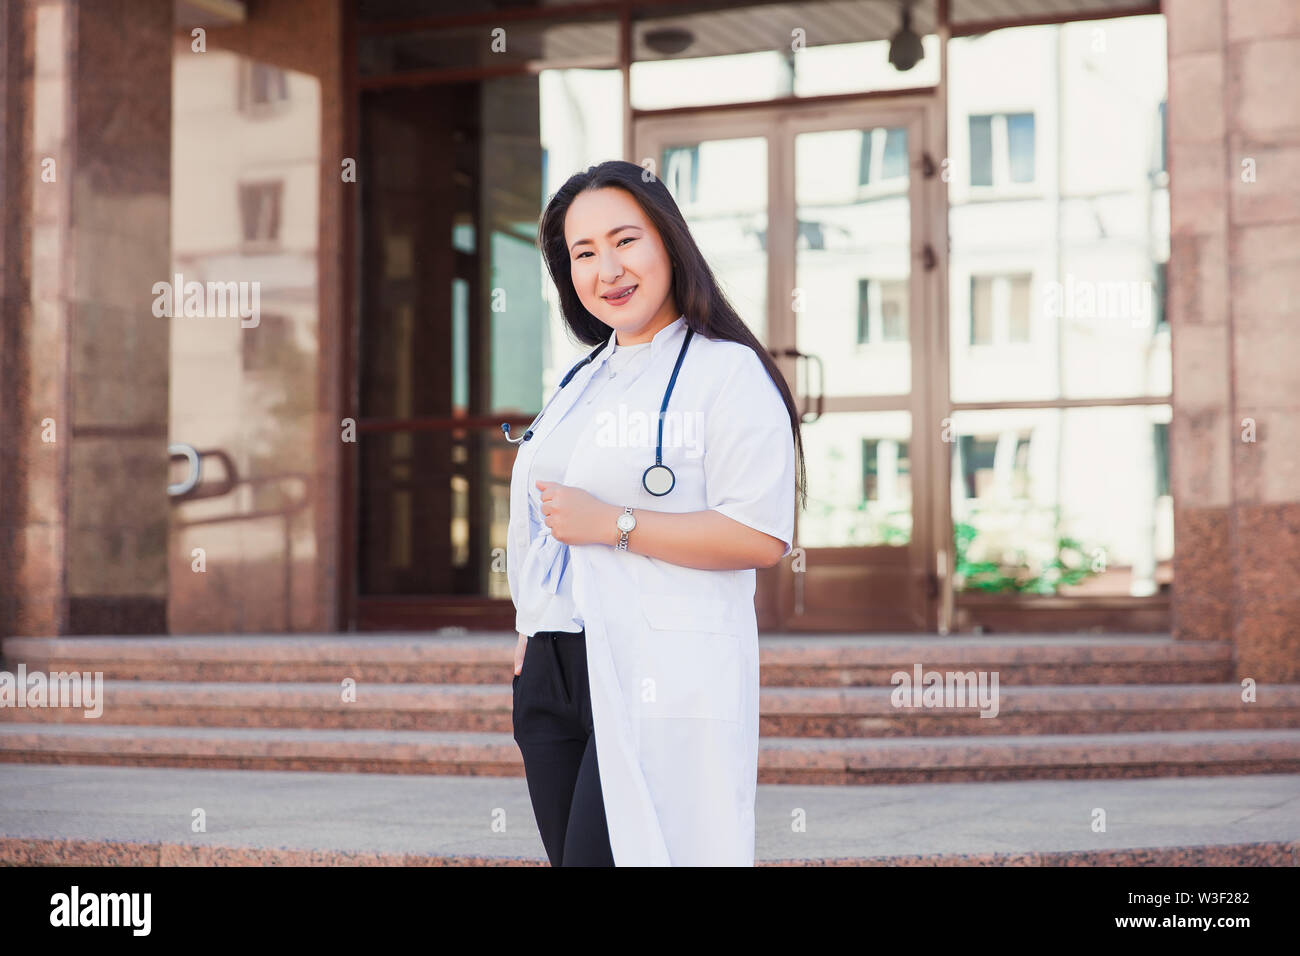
[853, 258]
[1066, 500]
[1058, 227]
[860, 487]
[245, 202]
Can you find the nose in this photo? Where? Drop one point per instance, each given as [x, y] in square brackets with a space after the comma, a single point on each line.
[611, 270]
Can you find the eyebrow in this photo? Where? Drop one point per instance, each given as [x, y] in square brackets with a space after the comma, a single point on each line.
[608, 235]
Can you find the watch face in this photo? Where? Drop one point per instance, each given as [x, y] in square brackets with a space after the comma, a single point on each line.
[626, 522]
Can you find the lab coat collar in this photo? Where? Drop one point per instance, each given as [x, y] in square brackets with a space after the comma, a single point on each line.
[662, 339]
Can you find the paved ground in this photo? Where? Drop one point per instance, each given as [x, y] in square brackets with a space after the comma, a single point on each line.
[452, 816]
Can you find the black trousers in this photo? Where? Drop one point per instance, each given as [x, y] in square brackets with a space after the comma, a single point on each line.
[556, 735]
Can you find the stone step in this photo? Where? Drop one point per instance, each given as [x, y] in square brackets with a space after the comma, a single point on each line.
[59, 851]
[132, 816]
[781, 759]
[786, 660]
[785, 711]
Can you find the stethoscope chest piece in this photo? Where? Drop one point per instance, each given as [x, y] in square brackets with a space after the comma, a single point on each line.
[658, 480]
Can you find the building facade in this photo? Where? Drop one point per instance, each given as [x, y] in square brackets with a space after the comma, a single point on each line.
[270, 286]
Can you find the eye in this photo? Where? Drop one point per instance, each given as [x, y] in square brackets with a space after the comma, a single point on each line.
[619, 243]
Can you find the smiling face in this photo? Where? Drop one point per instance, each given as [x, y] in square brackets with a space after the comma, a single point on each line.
[612, 246]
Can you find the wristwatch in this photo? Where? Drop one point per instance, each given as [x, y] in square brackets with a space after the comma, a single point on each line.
[626, 522]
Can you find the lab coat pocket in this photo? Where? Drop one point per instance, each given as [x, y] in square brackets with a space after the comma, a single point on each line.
[691, 661]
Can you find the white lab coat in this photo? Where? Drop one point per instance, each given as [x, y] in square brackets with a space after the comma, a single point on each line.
[672, 651]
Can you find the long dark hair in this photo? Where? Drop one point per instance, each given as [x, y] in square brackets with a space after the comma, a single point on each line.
[694, 288]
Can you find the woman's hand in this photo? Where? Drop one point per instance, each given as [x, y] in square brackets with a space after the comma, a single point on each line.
[521, 645]
[576, 517]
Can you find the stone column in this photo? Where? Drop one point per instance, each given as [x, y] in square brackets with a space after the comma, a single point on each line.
[84, 386]
[1234, 160]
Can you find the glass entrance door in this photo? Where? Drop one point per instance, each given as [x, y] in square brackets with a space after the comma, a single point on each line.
[814, 220]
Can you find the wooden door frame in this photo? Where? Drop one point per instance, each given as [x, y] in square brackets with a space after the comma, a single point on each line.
[921, 113]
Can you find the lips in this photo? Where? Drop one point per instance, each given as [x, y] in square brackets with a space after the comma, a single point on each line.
[617, 295]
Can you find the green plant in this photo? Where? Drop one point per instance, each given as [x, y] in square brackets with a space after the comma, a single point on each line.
[1010, 572]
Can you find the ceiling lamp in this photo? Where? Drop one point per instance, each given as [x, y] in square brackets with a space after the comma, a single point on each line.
[905, 46]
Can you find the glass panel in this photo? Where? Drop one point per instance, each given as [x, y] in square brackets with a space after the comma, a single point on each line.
[707, 56]
[859, 480]
[981, 310]
[852, 259]
[244, 376]
[1018, 309]
[1055, 251]
[1020, 145]
[455, 320]
[579, 117]
[420, 494]
[720, 186]
[894, 163]
[981, 151]
[1063, 501]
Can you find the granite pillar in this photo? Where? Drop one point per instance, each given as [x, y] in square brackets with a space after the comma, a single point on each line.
[1234, 148]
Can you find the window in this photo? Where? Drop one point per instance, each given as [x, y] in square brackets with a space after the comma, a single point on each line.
[682, 172]
[882, 310]
[882, 155]
[1020, 146]
[262, 86]
[1162, 296]
[1001, 149]
[886, 470]
[893, 311]
[1162, 457]
[267, 350]
[259, 213]
[1162, 144]
[999, 309]
[981, 151]
[993, 465]
[977, 464]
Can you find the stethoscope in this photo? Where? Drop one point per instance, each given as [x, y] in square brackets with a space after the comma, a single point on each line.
[658, 479]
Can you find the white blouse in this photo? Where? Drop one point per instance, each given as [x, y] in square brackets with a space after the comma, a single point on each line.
[545, 588]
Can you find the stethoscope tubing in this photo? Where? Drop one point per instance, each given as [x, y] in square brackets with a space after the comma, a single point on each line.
[663, 408]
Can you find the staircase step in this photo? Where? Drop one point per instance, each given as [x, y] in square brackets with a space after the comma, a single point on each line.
[1030, 710]
[132, 816]
[781, 759]
[786, 660]
[785, 711]
[1028, 757]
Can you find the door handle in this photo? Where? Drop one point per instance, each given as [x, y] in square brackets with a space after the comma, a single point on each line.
[819, 403]
[821, 387]
[191, 455]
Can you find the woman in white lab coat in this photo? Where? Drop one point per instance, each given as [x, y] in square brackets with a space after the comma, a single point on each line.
[648, 578]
